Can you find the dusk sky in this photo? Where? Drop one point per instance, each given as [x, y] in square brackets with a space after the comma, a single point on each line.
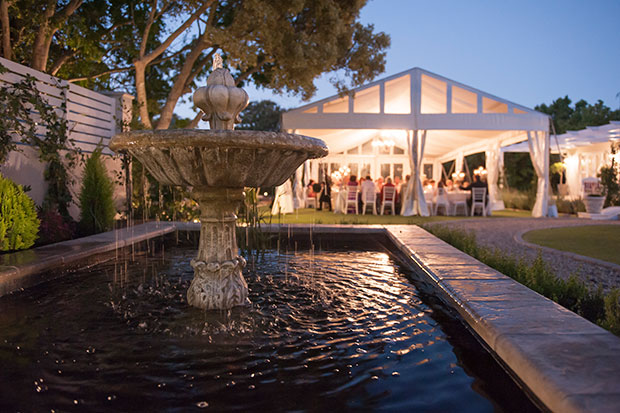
[528, 51]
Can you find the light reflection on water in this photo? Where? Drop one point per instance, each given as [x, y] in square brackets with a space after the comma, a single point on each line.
[335, 330]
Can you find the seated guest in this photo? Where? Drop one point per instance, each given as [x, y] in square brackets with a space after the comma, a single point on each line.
[379, 183]
[352, 180]
[466, 186]
[449, 185]
[311, 193]
[367, 186]
[388, 184]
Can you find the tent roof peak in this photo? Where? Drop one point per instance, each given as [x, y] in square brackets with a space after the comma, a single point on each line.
[416, 78]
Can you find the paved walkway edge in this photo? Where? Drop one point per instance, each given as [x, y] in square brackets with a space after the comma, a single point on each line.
[570, 364]
[27, 268]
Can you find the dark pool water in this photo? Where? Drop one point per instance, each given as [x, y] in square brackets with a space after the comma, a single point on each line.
[340, 330]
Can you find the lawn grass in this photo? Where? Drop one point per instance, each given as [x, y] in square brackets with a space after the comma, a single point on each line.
[311, 216]
[596, 241]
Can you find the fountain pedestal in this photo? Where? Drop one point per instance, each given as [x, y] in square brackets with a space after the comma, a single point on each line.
[218, 164]
[218, 282]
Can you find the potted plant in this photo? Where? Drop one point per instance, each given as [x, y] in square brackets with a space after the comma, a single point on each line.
[594, 202]
[594, 195]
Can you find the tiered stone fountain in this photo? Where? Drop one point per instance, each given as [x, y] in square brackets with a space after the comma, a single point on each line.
[217, 164]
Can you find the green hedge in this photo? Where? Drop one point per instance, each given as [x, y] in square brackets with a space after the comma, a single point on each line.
[19, 224]
[572, 294]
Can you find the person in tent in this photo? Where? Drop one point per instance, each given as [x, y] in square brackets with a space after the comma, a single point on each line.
[367, 186]
[478, 183]
[388, 184]
[325, 196]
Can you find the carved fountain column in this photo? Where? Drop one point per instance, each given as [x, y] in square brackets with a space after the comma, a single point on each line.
[218, 282]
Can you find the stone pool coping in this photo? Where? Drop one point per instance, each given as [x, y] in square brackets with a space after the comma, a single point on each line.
[568, 363]
[26, 268]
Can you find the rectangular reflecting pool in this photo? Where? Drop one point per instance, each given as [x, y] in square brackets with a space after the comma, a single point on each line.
[340, 329]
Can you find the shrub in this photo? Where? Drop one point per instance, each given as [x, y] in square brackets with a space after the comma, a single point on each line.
[515, 199]
[18, 219]
[566, 206]
[96, 197]
[612, 312]
[572, 294]
[54, 227]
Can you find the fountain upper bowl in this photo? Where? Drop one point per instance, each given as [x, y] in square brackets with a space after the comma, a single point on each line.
[219, 158]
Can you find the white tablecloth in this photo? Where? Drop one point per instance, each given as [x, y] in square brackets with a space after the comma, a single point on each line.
[340, 199]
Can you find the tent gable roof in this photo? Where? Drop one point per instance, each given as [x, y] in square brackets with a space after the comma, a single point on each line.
[411, 72]
[415, 99]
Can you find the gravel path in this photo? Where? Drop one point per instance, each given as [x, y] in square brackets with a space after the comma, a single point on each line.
[500, 233]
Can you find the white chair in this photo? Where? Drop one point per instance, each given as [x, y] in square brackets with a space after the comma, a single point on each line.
[369, 198]
[442, 201]
[351, 199]
[388, 199]
[478, 196]
[311, 202]
[429, 197]
[459, 203]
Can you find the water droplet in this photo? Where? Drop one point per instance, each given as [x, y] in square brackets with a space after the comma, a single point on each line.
[202, 405]
[395, 373]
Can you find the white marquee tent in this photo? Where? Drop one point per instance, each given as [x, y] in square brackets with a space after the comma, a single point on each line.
[415, 120]
[584, 152]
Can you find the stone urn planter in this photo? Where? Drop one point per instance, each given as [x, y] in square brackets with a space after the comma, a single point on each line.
[594, 204]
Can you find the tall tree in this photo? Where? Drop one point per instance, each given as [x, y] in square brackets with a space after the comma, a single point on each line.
[578, 116]
[159, 49]
[281, 45]
[261, 115]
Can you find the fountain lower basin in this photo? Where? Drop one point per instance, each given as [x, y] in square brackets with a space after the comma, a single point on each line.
[345, 329]
[217, 165]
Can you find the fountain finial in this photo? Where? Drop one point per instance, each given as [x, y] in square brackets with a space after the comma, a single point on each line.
[217, 61]
[221, 100]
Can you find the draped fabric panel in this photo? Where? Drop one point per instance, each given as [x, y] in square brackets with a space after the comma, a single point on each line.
[415, 203]
[538, 143]
[299, 193]
[458, 162]
[493, 160]
[573, 175]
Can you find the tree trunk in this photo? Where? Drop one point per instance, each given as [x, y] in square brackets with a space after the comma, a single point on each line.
[49, 26]
[141, 94]
[39, 52]
[144, 60]
[185, 76]
[6, 29]
[194, 123]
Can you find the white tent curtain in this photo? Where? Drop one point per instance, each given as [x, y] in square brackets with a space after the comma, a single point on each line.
[573, 175]
[538, 142]
[458, 162]
[415, 204]
[493, 159]
[283, 203]
[299, 195]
